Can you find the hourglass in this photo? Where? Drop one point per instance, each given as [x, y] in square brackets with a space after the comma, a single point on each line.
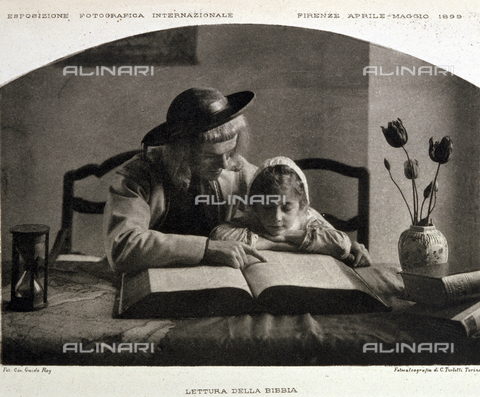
[29, 252]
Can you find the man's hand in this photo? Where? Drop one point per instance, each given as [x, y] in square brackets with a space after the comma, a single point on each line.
[359, 256]
[230, 253]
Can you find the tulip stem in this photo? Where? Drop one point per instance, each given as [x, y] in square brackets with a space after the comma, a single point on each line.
[415, 200]
[430, 209]
[404, 199]
[414, 190]
[434, 202]
[423, 203]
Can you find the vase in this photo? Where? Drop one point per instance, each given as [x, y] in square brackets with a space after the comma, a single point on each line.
[421, 246]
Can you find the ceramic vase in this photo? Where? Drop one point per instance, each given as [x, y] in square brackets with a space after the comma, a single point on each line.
[421, 246]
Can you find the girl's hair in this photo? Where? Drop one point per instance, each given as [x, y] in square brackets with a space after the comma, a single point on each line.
[272, 179]
[177, 156]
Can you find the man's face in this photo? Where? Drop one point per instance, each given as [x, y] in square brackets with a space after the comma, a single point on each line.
[212, 158]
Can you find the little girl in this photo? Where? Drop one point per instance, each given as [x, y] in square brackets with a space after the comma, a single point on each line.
[282, 219]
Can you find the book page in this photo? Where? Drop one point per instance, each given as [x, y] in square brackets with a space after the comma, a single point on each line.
[196, 278]
[302, 270]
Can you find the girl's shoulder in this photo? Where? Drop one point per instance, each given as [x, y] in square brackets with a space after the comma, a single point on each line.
[314, 218]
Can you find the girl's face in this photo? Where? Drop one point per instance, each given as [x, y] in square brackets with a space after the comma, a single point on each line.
[277, 218]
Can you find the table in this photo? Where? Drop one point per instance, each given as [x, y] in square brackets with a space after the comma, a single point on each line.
[81, 299]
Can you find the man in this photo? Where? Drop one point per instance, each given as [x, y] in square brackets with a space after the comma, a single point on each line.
[151, 218]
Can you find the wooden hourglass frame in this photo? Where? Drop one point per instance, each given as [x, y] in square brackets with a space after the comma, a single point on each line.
[29, 251]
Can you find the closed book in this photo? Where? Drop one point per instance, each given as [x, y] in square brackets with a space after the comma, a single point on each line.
[465, 314]
[288, 283]
[441, 285]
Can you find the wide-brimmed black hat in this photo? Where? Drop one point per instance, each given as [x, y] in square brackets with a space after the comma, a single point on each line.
[197, 110]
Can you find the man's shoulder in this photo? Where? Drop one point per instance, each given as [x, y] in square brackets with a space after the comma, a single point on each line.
[237, 181]
[247, 170]
[141, 167]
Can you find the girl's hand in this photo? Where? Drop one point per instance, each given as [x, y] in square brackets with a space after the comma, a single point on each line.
[294, 237]
[279, 245]
[276, 239]
[359, 256]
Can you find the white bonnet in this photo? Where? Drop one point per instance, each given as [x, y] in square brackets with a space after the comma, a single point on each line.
[281, 160]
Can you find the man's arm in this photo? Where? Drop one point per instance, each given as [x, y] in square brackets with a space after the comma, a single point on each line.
[130, 243]
[132, 246]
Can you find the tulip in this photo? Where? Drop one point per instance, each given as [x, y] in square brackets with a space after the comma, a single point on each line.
[411, 169]
[428, 190]
[386, 164]
[440, 151]
[395, 133]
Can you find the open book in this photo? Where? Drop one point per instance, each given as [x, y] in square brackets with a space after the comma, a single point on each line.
[289, 283]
